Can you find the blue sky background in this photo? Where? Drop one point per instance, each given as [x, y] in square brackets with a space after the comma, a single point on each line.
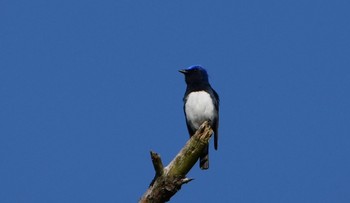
[88, 88]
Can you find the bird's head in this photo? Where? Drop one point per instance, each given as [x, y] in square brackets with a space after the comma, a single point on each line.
[195, 74]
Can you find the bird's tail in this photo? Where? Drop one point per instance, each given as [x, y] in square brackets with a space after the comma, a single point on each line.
[204, 159]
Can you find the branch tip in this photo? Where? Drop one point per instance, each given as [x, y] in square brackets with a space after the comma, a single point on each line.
[187, 180]
[157, 163]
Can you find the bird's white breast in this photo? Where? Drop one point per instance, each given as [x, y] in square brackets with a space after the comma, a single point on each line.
[199, 108]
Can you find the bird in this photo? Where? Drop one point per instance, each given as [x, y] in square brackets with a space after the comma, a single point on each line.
[201, 103]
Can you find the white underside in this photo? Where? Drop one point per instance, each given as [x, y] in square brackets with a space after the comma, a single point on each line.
[199, 108]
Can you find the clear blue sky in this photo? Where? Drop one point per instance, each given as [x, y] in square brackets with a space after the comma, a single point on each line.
[88, 88]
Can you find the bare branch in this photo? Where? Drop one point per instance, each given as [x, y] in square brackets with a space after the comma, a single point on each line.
[169, 180]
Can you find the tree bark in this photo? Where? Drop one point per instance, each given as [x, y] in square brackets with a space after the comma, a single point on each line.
[168, 180]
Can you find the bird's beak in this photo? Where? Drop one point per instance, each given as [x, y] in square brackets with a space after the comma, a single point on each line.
[183, 71]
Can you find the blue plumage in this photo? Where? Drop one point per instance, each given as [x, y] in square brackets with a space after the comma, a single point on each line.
[201, 103]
